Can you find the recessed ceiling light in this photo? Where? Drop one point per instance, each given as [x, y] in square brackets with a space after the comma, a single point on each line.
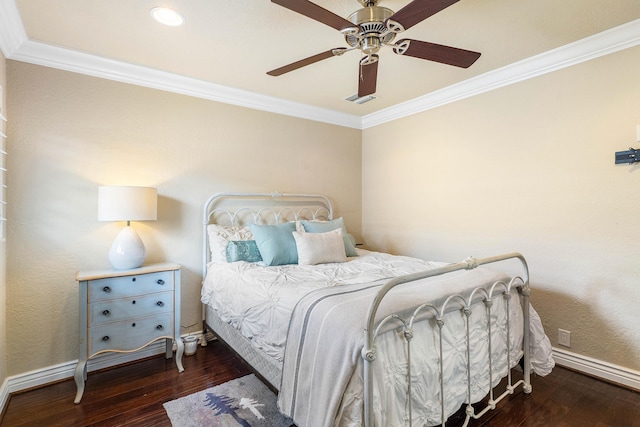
[167, 16]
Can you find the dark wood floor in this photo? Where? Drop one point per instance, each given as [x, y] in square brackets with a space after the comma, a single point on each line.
[133, 395]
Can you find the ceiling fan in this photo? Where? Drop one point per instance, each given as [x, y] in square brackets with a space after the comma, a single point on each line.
[373, 27]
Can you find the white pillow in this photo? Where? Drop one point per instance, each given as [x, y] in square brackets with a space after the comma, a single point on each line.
[320, 248]
[219, 237]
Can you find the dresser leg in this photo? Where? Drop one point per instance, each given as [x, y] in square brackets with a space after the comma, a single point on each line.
[80, 376]
[179, 352]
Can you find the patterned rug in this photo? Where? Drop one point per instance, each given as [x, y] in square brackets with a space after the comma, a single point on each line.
[245, 402]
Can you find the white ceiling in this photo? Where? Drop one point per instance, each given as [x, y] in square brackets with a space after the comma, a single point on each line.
[226, 47]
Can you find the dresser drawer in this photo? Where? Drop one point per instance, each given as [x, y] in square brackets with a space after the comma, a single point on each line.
[120, 309]
[130, 334]
[128, 286]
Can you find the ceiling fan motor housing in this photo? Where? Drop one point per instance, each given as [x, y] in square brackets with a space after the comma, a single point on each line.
[371, 22]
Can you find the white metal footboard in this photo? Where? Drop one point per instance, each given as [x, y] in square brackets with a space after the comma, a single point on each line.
[454, 302]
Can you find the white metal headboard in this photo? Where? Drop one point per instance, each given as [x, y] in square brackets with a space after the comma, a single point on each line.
[260, 208]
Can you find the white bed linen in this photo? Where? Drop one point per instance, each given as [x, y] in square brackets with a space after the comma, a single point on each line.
[325, 341]
[259, 301]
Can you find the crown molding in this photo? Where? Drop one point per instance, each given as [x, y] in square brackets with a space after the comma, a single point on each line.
[595, 46]
[16, 45]
[78, 62]
[12, 33]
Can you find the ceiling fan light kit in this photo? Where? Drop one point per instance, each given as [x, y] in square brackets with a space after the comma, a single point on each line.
[371, 28]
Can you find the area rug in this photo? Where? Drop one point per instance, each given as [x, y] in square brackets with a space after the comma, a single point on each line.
[245, 402]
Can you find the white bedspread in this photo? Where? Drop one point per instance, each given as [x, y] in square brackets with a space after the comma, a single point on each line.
[321, 386]
[259, 300]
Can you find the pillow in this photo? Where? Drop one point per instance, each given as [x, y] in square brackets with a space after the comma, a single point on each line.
[351, 239]
[220, 236]
[243, 250]
[320, 248]
[324, 226]
[276, 243]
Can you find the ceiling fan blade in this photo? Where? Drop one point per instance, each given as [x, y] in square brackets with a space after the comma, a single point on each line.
[368, 75]
[436, 52]
[419, 10]
[307, 61]
[315, 12]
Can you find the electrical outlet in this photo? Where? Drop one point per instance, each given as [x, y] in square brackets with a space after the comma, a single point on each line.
[564, 337]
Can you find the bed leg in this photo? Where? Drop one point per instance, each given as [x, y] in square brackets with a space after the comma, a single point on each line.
[203, 341]
[526, 291]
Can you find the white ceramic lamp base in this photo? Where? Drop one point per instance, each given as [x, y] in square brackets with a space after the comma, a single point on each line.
[127, 251]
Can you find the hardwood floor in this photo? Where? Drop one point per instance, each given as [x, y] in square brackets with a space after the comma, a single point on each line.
[133, 395]
[130, 395]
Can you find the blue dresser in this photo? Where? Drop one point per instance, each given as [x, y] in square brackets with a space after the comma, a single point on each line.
[126, 310]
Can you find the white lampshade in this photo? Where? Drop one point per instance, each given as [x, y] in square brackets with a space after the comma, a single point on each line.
[125, 203]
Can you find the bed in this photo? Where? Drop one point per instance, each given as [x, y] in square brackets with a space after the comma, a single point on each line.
[350, 337]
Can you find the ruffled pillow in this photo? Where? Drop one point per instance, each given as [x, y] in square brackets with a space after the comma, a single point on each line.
[220, 236]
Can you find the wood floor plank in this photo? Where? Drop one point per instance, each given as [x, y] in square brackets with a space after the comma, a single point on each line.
[133, 395]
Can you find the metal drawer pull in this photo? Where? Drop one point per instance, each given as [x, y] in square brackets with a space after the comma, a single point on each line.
[133, 302]
[106, 312]
[133, 280]
[106, 289]
[159, 327]
[105, 338]
[160, 304]
[133, 325]
[160, 282]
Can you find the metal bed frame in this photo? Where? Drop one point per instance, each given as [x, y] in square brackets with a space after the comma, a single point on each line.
[291, 207]
[453, 302]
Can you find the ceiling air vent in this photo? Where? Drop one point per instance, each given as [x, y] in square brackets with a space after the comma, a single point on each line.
[361, 99]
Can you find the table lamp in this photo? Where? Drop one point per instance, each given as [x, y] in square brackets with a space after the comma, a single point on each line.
[126, 203]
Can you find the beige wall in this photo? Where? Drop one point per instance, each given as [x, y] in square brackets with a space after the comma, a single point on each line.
[70, 133]
[3, 285]
[527, 168]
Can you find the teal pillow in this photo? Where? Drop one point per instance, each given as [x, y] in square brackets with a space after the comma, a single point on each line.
[243, 250]
[324, 226]
[276, 243]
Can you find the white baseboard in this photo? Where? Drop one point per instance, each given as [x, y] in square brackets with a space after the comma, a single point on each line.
[65, 370]
[597, 368]
[4, 396]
